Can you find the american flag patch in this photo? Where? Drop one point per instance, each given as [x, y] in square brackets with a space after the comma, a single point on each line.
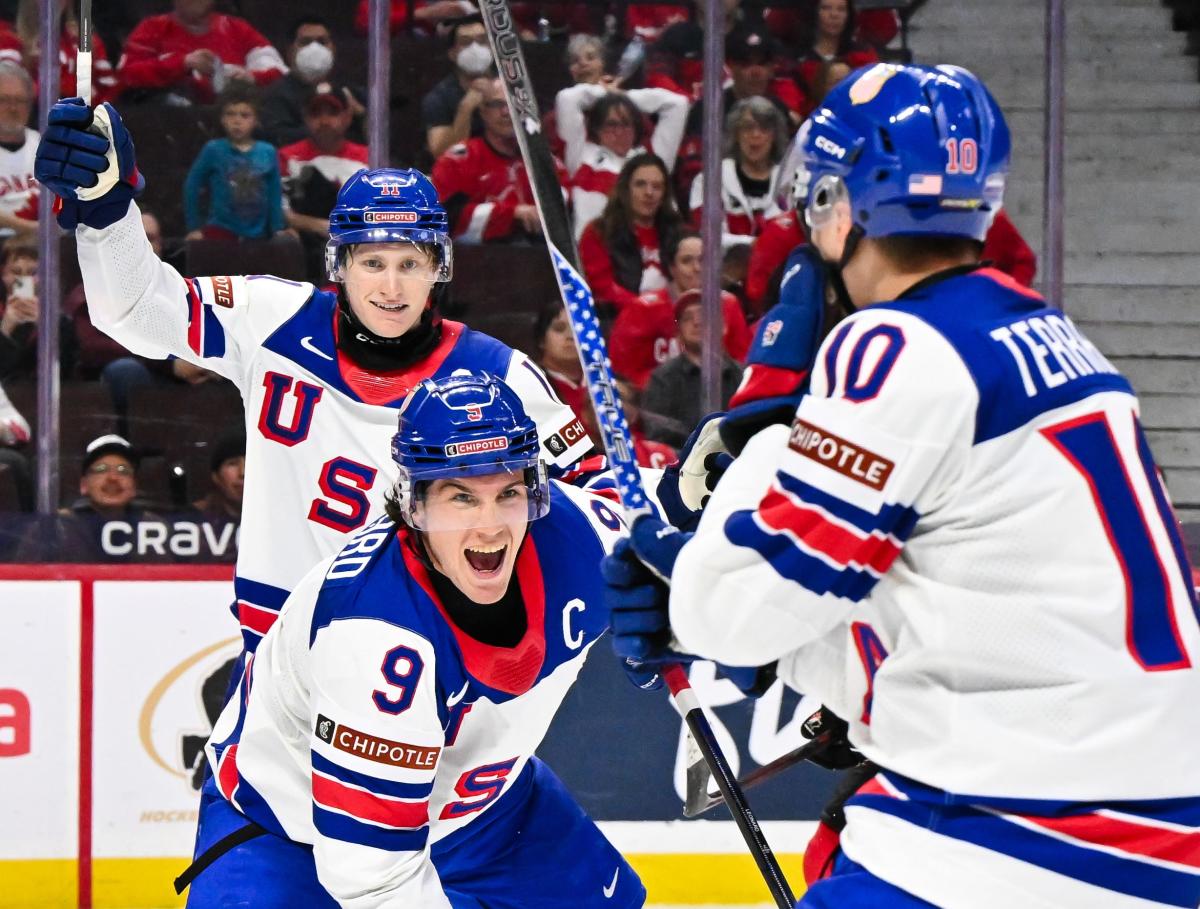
[925, 185]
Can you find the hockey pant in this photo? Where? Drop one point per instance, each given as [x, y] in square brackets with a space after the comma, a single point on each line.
[534, 849]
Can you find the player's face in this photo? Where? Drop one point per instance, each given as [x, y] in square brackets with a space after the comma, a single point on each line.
[646, 190]
[685, 267]
[109, 482]
[388, 284]
[238, 120]
[587, 65]
[478, 560]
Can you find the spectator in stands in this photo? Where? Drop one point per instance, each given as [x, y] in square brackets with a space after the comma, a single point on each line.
[483, 184]
[192, 53]
[750, 53]
[756, 137]
[676, 60]
[672, 403]
[101, 524]
[26, 41]
[555, 351]
[426, 15]
[283, 118]
[793, 26]
[603, 128]
[1008, 251]
[646, 22]
[647, 452]
[314, 169]
[771, 248]
[22, 314]
[832, 27]
[450, 111]
[240, 176]
[585, 59]
[18, 189]
[622, 250]
[227, 465]
[644, 335]
[14, 435]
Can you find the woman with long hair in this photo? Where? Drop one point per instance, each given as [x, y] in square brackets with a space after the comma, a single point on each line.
[756, 137]
[623, 250]
[831, 37]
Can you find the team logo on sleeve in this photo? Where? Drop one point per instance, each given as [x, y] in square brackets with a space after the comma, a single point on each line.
[374, 748]
[851, 461]
[555, 445]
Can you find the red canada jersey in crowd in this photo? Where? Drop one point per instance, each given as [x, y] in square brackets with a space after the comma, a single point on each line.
[104, 78]
[18, 188]
[336, 166]
[647, 21]
[597, 264]
[644, 334]
[481, 189]
[156, 48]
[875, 27]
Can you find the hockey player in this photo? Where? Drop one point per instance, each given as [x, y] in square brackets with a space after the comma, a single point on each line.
[321, 374]
[961, 545]
[379, 751]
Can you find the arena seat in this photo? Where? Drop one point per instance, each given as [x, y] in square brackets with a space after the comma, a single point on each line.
[282, 256]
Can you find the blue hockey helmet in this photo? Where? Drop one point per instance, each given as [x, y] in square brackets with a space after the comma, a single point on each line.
[389, 205]
[915, 150]
[466, 425]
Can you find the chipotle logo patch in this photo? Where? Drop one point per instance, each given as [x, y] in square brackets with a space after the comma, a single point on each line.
[838, 454]
[223, 291]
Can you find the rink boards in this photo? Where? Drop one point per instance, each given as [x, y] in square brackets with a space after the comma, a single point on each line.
[104, 705]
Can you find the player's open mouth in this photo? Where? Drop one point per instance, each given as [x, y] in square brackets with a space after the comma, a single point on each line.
[389, 307]
[486, 560]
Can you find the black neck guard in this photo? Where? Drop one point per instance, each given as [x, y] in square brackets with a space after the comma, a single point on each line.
[378, 354]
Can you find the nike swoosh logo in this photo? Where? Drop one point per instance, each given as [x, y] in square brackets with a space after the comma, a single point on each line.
[306, 343]
[455, 698]
[612, 887]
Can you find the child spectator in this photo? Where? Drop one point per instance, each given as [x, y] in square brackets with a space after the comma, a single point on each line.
[622, 250]
[672, 403]
[21, 315]
[240, 176]
[28, 38]
[483, 184]
[603, 128]
[314, 169]
[18, 143]
[756, 138]
[281, 113]
[832, 27]
[450, 111]
[192, 52]
[644, 334]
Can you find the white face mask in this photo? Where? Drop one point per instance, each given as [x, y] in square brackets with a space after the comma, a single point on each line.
[475, 59]
[314, 60]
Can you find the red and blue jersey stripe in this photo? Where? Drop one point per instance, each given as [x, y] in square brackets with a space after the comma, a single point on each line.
[358, 808]
[1149, 849]
[821, 542]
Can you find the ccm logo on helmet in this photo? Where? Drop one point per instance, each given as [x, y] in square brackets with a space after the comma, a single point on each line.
[390, 217]
[830, 147]
[496, 443]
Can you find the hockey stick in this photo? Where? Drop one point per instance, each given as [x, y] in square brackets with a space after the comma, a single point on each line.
[700, 799]
[83, 59]
[610, 417]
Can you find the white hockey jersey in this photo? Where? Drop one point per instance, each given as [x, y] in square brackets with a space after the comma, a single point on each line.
[370, 726]
[963, 547]
[318, 427]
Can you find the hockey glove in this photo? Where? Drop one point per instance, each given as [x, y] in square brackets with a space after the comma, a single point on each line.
[839, 754]
[637, 603]
[752, 681]
[682, 490]
[87, 159]
[657, 544]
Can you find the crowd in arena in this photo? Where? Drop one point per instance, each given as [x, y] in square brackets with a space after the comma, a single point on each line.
[244, 142]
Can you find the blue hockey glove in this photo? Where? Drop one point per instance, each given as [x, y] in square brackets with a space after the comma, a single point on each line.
[637, 604]
[752, 681]
[684, 487]
[657, 544]
[87, 159]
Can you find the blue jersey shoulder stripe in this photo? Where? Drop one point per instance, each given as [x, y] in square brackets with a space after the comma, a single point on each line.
[342, 827]
[321, 764]
[898, 520]
[782, 553]
[258, 593]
